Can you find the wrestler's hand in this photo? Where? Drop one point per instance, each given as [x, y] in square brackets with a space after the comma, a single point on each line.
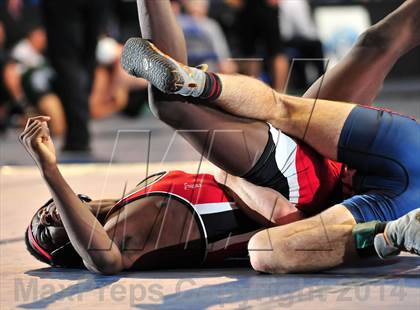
[224, 178]
[37, 142]
[227, 181]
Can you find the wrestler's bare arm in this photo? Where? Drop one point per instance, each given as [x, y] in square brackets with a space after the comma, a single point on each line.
[100, 208]
[86, 233]
[262, 204]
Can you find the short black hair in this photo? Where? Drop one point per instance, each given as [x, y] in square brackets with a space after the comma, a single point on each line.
[32, 251]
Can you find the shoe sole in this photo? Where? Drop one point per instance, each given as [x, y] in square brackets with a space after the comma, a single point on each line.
[142, 59]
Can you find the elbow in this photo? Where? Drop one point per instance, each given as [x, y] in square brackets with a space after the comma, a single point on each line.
[160, 106]
[111, 266]
[104, 270]
[106, 267]
[286, 215]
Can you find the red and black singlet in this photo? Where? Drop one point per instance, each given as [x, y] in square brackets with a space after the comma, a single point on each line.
[224, 228]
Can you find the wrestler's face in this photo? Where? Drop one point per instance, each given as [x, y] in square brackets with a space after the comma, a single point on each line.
[48, 228]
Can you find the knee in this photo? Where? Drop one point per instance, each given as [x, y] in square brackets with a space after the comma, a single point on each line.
[156, 104]
[268, 255]
[374, 37]
[168, 111]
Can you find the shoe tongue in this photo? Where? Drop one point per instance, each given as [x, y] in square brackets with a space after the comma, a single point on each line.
[203, 67]
[383, 249]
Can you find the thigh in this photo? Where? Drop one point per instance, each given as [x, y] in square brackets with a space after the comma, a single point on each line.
[379, 206]
[384, 151]
[232, 143]
[380, 142]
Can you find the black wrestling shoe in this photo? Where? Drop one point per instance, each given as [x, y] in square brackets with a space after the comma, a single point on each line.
[143, 59]
[402, 234]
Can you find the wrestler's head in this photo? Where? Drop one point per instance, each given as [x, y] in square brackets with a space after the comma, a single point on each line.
[47, 240]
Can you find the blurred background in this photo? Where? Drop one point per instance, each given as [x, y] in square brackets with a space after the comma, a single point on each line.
[61, 58]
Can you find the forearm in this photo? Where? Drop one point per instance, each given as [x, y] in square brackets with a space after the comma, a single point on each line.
[158, 23]
[263, 203]
[86, 234]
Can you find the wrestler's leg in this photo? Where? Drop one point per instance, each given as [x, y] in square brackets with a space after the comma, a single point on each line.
[317, 243]
[232, 143]
[359, 76]
[309, 120]
[329, 240]
[383, 147]
[158, 23]
[314, 121]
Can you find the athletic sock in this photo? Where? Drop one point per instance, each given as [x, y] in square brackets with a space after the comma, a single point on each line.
[203, 85]
[212, 87]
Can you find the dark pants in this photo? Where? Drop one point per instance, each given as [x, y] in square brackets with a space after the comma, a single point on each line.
[73, 28]
[306, 49]
[257, 27]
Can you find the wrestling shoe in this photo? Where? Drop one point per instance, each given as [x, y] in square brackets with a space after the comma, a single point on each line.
[141, 58]
[402, 234]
